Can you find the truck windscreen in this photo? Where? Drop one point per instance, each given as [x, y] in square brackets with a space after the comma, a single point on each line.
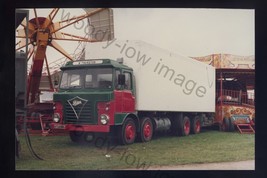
[99, 78]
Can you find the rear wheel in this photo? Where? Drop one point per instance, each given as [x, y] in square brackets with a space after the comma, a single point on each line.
[195, 125]
[181, 125]
[146, 129]
[127, 132]
[186, 126]
[225, 125]
[231, 125]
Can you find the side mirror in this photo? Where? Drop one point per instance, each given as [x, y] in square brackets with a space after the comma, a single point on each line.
[121, 79]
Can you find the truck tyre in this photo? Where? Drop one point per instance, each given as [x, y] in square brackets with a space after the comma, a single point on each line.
[127, 132]
[185, 126]
[231, 125]
[180, 125]
[76, 136]
[225, 125]
[146, 131]
[195, 125]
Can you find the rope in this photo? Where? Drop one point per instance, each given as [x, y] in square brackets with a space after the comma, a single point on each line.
[28, 141]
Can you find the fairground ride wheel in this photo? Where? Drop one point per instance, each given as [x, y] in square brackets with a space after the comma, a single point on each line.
[45, 29]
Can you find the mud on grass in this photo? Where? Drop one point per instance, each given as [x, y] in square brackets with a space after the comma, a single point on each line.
[59, 153]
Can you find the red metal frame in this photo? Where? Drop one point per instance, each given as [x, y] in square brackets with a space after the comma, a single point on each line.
[245, 128]
[234, 97]
[44, 121]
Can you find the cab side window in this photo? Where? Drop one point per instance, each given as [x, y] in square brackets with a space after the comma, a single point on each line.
[117, 86]
[128, 81]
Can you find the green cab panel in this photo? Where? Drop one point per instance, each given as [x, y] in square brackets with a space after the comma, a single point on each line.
[81, 107]
[119, 118]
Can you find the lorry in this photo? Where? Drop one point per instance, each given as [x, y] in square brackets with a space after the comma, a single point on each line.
[130, 90]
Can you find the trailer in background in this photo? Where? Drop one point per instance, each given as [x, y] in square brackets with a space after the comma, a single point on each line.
[235, 85]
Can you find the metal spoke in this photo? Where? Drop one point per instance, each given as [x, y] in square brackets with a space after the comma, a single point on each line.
[23, 45]
[36, 18]
[76, 19]
[73, 38]
[56, 46]
[23, 23]
[50, 17]
[21, 33]
[30, 53]
[53, 13]
[49, 76]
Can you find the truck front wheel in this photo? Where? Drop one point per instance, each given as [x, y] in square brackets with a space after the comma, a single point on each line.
[146, 129]
[127, 132]
[76, 136]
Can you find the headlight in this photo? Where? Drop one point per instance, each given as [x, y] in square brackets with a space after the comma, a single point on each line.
[56, 117]
[104, 119]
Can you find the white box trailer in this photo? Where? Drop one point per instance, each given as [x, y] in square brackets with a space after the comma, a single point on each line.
[165, 81]
[169, 92]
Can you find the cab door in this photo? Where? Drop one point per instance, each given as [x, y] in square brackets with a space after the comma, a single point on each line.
[128, 98]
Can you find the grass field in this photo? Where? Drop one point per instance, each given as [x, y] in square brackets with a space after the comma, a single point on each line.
[59, 153]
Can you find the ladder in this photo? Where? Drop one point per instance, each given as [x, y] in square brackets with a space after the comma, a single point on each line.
[245, 128]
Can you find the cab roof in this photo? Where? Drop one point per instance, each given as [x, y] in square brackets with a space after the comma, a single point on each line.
[94, 63]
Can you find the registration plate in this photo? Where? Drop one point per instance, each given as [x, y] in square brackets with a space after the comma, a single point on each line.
[59, 126]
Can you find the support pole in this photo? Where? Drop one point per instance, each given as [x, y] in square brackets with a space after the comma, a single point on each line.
[221, 94]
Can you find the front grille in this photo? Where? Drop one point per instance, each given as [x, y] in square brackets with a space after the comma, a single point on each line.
[84, 114]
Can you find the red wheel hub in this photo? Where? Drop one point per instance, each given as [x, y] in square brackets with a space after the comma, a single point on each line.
[198, 125]
[147, 130]
[187, 127]
[129, 132]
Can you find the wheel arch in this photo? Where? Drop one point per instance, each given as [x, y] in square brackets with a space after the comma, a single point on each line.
[134, 117]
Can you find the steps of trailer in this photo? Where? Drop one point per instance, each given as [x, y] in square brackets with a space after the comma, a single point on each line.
[245, 128]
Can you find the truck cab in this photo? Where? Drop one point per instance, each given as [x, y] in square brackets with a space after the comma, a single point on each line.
[93, 96]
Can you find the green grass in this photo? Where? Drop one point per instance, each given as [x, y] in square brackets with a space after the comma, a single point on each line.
[59, 153]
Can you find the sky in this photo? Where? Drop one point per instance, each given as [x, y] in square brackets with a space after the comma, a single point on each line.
[190, 32]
